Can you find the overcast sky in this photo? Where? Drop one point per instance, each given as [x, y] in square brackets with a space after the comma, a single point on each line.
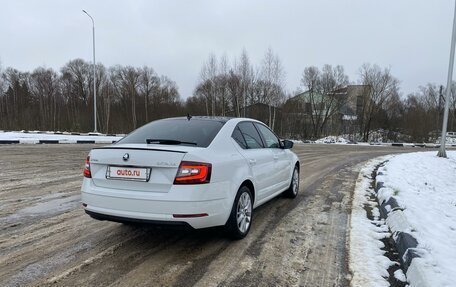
[176, 37]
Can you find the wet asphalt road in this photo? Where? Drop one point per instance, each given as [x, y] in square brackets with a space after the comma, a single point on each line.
[47, 239]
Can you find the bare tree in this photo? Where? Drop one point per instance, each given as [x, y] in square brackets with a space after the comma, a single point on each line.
[380, 85]
[223, 82]
[311, 81]
[3, 83]
[17, 98]
[148, 83]
[126, 81]
[76, 75]
[244, 70]
[203, 90]
[320, 87]
[272, 76]
[208, 74]
[452, 119]
[44, 87]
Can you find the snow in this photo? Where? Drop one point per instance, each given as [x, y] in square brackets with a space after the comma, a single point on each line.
[449, 139]
[332, 139]
[399, 275]
[35, 136]
[424, 185]
[349, 118]
[367, 262]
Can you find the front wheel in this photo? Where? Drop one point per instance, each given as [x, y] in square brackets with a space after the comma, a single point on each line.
[292, 191]
[240, 220]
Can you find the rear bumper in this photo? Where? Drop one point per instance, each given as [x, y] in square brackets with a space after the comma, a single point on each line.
[124, 205]
[119, 219]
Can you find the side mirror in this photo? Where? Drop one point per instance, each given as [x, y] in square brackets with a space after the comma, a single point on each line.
[286, 144]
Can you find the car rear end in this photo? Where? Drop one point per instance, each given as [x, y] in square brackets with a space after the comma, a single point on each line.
[156, 182]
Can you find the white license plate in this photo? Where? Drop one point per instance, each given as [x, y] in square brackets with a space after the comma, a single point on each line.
[128, 173]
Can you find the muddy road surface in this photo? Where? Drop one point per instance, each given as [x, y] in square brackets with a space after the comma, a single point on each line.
[46, 239]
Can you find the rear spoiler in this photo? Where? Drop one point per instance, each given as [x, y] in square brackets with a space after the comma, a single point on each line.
[139, 148]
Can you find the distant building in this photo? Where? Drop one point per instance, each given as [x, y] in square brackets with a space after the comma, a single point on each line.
[300, 110]
[354, 97]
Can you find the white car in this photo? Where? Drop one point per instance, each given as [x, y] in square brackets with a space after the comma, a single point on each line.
[194, 171]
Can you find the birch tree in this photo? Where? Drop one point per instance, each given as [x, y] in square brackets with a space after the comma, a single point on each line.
[272, 76]
[207, 75]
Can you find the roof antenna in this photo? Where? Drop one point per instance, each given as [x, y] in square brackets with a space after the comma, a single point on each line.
[189, 117]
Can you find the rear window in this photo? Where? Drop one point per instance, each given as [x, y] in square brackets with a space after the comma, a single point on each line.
[239, 138]
[192, 132]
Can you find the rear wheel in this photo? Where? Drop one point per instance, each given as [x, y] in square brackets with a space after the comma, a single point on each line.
[240, 220]
[292, 191]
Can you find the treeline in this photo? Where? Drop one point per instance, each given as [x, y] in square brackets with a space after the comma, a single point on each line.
[226, 89]
[379, 111]
[127, 97]
[420, 114]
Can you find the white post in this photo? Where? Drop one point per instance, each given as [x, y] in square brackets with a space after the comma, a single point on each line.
[94, 76]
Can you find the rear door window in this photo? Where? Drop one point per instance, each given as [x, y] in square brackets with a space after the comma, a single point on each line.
[269, 137]
[251, 136]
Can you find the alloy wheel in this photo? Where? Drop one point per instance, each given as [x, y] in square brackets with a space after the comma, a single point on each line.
[244, 212]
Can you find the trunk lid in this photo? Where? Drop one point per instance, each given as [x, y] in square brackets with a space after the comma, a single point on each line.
[162, 161]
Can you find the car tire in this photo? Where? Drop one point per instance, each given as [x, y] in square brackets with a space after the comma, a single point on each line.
[240, 220]
[293, 189]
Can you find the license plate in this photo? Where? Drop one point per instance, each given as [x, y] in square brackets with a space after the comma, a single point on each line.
[128, 173]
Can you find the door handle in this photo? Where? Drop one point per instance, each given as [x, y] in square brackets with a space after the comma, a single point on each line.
[276, 157]
[252, 161]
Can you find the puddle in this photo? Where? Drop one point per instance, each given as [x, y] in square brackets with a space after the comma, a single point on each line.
[46, 207]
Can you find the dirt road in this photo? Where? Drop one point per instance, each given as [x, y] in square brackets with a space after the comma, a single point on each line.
[47, 239]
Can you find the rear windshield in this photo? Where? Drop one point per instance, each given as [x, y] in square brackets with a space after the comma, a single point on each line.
[192, 132]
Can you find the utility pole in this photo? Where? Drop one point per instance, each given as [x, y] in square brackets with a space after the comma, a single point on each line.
[442, 152]
[94, 76]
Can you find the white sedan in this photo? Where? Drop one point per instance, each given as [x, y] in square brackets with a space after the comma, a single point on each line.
[193, 171]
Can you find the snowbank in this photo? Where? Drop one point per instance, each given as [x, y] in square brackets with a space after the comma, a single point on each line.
[424, 186]
[448, 140]
[367, 262]
[35, 137]
[332, 139]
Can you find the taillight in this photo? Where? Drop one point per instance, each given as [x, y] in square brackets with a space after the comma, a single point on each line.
[193, 173]
[87, 172]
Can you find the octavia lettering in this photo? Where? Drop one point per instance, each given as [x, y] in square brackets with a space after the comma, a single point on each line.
[128, 172]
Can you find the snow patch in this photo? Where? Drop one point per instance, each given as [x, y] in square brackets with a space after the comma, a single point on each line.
[399, 275]
[332, 139]
[35, 137]
[367, 262]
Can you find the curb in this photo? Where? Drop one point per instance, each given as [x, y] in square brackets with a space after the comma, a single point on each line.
[406, 244]
[35, 141]
[9, 141]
